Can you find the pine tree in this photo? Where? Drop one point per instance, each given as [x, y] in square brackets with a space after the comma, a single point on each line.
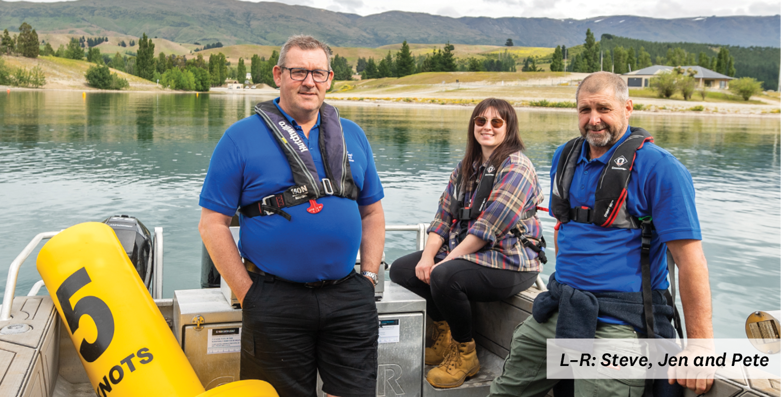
[386, 66]
[556, 60]
[48, 50]
[405, 64]
[162, 63]
[118, 63]
[620, 60]
[370, 71]
[222, 68]
[7, 43]
[74, 50]
[214, 71]
[631, 59]
[27, 41]
[255, 68]
[145, 58]
[241, 71]
[591, 54]
[448, 61]
[361, 64]
[644, 59]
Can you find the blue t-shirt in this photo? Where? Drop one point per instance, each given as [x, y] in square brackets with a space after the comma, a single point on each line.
[248, 165]
[599, 259]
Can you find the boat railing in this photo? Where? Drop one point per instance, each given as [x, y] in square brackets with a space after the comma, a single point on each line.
[156, 288]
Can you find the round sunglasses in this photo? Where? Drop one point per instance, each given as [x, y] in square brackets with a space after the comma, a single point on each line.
[480, 121]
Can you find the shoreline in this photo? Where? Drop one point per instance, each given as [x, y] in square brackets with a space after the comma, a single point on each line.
[414, 102]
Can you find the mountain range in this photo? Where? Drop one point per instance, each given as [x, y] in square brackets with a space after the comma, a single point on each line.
[267, 23]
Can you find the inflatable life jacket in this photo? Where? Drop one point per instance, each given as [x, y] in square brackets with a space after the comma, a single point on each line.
[480, 199]
[308, 185]
[610, 209]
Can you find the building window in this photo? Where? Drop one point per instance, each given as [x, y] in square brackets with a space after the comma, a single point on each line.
[635, 82]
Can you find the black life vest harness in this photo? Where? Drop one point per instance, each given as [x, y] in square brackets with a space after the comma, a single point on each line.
[610, 209]
[463, 215]
[308, 185]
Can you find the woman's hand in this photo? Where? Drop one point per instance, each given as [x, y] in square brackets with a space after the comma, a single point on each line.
[424, 268]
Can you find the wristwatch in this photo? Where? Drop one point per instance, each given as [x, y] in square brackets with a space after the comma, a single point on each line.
[371, 275]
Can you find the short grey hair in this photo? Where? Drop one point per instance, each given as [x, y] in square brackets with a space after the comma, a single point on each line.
[303, 42]
[599, 81]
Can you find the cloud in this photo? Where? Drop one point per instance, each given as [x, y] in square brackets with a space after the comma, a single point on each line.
[764, 8]
[349, 6]
[448, 12]
[544, 4]
[515, 3]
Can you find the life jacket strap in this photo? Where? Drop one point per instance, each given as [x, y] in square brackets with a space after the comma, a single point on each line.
[538, 248]
[273, 204]
[581, 214]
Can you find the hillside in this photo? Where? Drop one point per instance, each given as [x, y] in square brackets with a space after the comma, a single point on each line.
[69, 73]
[246, 51]
[239, 22]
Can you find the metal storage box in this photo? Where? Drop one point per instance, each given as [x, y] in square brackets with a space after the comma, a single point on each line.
[208, 328]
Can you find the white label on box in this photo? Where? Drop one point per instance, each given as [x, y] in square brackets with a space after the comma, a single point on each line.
[389, 331]
[224, 340]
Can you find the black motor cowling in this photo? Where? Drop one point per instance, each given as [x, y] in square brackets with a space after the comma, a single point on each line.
[137, 242]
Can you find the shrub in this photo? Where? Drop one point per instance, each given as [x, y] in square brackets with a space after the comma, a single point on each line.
[746, 87]
[176, 79]
[546, 104]
[664, 84]
[4, 73]
[697, 108]
[702, 93]
[638, 106]
[101, 77]
[22, 77]
[686, 85]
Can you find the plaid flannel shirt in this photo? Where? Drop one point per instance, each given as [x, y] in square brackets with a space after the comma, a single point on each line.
[516, 190]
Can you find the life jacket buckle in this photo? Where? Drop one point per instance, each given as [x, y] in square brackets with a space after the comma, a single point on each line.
[266, 204]
[328, 188]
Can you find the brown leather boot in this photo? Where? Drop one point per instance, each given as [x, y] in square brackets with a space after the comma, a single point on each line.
[442, 340]
[460, 364]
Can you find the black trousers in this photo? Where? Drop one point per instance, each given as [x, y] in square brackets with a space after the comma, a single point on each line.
[290, 333]
[454, 284]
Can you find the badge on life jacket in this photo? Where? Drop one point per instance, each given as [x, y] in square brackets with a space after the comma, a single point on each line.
[314, 207]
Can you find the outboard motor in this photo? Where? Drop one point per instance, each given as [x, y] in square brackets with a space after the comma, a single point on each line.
[137, 242]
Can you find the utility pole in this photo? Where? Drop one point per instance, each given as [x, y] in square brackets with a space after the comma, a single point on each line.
[601, 61]
[565, 60]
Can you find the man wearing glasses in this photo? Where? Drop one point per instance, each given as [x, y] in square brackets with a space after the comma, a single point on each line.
[305, 184]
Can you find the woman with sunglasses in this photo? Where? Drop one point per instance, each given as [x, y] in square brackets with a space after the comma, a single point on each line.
[483, 243]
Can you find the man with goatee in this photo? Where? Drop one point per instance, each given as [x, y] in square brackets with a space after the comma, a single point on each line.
[621, 202]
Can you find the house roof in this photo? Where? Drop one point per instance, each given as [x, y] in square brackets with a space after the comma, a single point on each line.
[701, 72]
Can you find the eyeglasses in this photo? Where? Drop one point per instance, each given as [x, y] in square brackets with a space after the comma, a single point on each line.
[300, 74]
[480, 121]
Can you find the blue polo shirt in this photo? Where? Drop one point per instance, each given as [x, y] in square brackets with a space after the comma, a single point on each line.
[598, 259]
[248, 165]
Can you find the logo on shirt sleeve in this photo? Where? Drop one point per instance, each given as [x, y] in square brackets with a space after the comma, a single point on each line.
[350, 157]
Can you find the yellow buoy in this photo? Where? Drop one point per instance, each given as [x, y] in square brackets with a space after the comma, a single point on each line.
[122, 339]
[84, 95]
[196, 95]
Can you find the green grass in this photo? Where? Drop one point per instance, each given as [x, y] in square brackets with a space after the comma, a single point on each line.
[546, 104]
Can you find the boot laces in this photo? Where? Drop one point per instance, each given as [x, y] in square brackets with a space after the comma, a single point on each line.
[439, 335]
[452, 357]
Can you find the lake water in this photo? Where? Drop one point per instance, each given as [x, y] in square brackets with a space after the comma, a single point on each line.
[66, 160]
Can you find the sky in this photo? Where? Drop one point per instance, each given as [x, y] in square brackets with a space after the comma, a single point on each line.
[576, 9]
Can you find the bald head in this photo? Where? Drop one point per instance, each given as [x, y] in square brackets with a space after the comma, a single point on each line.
[599, 81]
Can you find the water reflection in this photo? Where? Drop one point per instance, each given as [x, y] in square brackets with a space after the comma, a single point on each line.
[65, 160]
